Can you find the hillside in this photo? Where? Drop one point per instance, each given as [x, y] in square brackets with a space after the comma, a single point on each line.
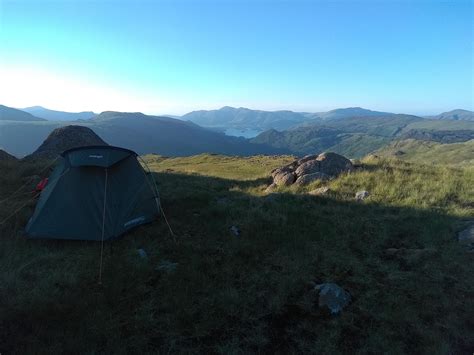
[211, 291]
[358, 136]
[455, 115]
[348, 113]
[53, 115]
[244, 118]
[12, 114]
[136, 131]
[429, 152]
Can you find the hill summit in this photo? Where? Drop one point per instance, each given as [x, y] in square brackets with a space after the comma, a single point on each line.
[65, 138]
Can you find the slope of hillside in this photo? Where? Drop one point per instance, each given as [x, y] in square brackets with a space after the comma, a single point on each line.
[347, 113]
[12, 114]
[429, 152]
[136, 131]
[167, 136]
[358, 136]
[211, 291]
[54, 115]
[455, 115]
[244, 118]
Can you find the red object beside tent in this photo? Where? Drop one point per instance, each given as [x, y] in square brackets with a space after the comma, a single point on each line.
[41, 185]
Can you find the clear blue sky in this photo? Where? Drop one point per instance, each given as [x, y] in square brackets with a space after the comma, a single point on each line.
[176, 56]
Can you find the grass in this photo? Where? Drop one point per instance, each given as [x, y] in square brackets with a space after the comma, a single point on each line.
[431, 152]
[253, 293]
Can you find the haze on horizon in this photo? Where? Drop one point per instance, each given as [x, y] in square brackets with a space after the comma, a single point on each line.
[172, 57]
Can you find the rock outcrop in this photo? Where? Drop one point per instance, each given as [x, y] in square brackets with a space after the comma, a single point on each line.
[310, 168]
[65, 138]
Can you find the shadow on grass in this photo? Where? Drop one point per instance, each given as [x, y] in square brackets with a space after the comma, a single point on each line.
[251, 293]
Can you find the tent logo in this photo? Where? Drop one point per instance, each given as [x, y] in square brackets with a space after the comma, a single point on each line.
[96, 156]
[134, 221]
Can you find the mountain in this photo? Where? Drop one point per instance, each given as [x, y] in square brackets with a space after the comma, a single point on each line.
[358, 136]
[12, 114]
[244, 118]
[455, 115]
[53, 115]
[65, 138]
[167, 136]
[136, 131]
[347, 113]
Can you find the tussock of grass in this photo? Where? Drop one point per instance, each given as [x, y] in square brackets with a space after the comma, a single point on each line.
[252, 293]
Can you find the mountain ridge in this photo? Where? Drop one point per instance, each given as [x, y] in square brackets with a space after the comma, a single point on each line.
[55, 115]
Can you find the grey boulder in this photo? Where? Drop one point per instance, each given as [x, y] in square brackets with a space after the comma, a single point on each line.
[333, 297]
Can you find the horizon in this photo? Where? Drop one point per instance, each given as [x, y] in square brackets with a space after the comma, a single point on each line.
[162, 59]
[226, 106]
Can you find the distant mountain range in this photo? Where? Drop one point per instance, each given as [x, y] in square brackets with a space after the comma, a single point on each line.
[11, 114]
[230, 118]
[53, 115]
[348, 112]
[244, 118]
[136, 131]
[350, 131]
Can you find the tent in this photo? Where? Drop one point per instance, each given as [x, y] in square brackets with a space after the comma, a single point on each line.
[94, 193]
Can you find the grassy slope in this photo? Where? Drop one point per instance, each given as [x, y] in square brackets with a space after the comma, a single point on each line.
[250, 293]
[432, 152]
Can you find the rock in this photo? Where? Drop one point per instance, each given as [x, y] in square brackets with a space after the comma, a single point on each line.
[332, 296]
[284, 178]
[361, 195]
[235, 231]
[306, 179]
[334, 164]
[326, 164]
[271, 187]
[309, 167]
[320, 191]
[142, 253]
[306, 158]
[65, 138]
[466, 237]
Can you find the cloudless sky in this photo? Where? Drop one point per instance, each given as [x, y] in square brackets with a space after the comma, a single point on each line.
[175, 56]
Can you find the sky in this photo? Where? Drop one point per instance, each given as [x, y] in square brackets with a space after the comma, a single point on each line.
[172, 57]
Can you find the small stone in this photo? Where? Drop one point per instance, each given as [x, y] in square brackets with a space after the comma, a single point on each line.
[361, 195]
[320, 191]
[142, 253]
[235, 231]
[332, 296]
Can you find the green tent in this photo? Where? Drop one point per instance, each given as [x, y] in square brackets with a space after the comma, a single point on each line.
[94, 193]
